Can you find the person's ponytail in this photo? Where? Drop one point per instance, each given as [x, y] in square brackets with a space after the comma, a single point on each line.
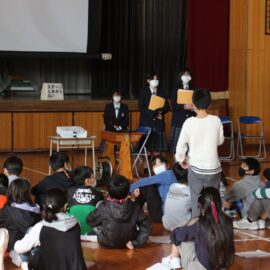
[54, 203]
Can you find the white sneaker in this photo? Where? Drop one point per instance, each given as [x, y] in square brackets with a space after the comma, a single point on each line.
[231, 213]
[173, 262]
[90, 238]
[244, 224]
[24, 266]
[15, 258]
[261, 223]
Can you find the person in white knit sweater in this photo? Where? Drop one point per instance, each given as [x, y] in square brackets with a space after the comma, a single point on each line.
[197, 147]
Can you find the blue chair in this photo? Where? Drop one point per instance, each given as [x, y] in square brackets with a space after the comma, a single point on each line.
[243, 123]
[141, 150]
[227, 123]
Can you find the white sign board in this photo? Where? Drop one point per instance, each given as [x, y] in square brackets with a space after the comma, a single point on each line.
[52, 91]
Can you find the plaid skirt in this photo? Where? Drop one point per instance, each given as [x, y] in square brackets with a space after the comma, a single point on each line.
[175, 133]
[157, 141]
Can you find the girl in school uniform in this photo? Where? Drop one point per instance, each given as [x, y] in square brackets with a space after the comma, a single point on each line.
[154, 119]
[180, 112]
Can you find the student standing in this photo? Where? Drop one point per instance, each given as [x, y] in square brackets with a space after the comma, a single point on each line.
[197, 148]
[180, 112]
[154, 119]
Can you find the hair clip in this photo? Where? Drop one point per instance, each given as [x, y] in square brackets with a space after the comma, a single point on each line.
[50, 206]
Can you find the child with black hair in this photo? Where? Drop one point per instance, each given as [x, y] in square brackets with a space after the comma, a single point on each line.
[197, 147]
[61, 178]
[177, 208]
[205, 242]
[83, 198]
[266, 174]
[153, 119]
[3, 189]
[153, 190]
[241, 191]
[58, 236]
[13, 167]
[18, 214]
[120, 222]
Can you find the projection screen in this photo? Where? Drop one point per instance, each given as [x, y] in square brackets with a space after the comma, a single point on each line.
[44, 25]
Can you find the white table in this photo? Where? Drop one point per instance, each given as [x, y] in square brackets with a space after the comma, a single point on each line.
[74, 143]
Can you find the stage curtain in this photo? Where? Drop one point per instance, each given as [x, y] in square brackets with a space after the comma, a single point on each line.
[208, 43]
[143, 36]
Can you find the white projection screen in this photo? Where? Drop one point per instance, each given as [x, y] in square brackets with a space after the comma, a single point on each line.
[44, 25]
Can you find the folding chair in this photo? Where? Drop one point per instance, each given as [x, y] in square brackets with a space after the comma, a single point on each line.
[227, 123]
[141, 149]
[250, 120]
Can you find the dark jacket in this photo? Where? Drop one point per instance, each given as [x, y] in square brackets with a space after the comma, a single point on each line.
[17, 221]
[122, 118]
[148, 117]
[179, 114]
[62, 180]
[117, 224]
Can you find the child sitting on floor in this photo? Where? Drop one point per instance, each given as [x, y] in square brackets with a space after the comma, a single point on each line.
[18, 214]
[205, 242]
[3, 189]
[62, 177]
[153, 190]
[241, 192]
[177, 209]
[83, 198]
[120, 222]
[13, 167]
[58, 236]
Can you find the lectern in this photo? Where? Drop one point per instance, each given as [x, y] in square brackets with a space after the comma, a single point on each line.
[124, 139]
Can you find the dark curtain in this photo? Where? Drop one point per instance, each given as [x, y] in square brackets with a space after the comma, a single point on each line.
[208, 43]
[143, 36]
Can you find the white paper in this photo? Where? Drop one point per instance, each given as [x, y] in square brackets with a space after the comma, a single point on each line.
[163, 239]
[158, 266]
[253, 254]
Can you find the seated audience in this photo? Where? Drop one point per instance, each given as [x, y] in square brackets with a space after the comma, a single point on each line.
[120, 222]
[266, 174]
[57, 235]
[177, 208]
[153, 190]
[241, 191]
[61, 178]
[13, 167]
[83, 198]
[205, 242]
[18, 214]
[3, 189]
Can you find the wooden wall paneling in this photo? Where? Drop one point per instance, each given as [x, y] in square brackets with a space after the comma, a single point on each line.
[237, 60]
[31, 130]
[92, 122]
[168, 122]
[6, 132]
[134, 120]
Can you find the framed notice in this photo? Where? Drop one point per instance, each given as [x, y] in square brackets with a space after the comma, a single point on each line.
[267, 17]
[52, 91]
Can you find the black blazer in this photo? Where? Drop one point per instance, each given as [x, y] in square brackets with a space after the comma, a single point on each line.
[179, 114]
[148, 117]
[110, 120]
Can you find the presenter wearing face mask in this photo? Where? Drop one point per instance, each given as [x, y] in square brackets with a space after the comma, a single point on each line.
[153, 119]
[116, 114]
[154, 189]
[180, 112]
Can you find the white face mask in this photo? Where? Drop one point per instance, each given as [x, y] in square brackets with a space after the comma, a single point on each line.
[185, 79]
[159, 169]
[116, 99]
[154, 83]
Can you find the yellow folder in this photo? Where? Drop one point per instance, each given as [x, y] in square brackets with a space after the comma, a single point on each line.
[156, 102]
[184, 96]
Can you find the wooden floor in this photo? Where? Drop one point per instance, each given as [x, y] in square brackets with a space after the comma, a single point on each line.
[36, 166]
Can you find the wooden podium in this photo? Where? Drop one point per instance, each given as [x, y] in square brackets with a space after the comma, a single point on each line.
[124, 139]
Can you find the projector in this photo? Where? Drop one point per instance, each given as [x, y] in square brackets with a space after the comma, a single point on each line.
[71, 132]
